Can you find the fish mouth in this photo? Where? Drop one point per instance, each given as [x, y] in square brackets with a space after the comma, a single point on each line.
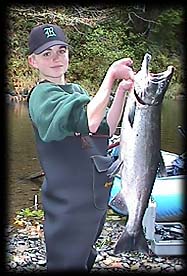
[159, 77]
[150, 88]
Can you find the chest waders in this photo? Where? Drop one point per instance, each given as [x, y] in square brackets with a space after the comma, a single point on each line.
[75, 199]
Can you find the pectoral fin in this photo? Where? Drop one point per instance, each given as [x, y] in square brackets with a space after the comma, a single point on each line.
[132, 114]
[162, 168]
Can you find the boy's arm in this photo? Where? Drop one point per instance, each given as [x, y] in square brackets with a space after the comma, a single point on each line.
[116, 109]
[56, 113]
[97, 106]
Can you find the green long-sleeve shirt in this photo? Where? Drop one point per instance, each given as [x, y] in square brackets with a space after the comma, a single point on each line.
[59, 111]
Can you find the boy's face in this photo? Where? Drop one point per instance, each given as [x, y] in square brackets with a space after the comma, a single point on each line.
[52, 62]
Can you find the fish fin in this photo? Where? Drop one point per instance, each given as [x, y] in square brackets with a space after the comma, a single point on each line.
[132, 114]
[161, 167]
[118, 204]
[114, 168]
[129, 242]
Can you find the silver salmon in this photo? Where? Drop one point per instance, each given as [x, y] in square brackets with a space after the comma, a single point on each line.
[140, 151]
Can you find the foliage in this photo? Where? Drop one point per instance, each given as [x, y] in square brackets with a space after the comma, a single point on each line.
[98, 35]
[34, 216]
[169, 30]
[28, 214]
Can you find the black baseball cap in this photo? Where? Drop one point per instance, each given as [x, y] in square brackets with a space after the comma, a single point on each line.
[45, 36]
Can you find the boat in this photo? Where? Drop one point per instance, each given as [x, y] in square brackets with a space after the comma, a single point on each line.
[167, 193]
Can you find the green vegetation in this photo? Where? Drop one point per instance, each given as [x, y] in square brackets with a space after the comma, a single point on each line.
[28, 215]
[98, 35]
[33, 216]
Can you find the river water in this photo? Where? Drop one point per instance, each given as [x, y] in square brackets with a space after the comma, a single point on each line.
[22, 155]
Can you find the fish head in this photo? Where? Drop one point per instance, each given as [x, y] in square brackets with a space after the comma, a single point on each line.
[150, 88]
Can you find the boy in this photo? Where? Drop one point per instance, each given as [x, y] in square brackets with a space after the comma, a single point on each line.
[72, 133]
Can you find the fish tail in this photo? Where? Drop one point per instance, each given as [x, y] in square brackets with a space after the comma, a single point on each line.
[129, 242]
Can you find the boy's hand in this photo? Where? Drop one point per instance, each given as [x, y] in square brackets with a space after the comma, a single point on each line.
[121, 69]
[125, 85]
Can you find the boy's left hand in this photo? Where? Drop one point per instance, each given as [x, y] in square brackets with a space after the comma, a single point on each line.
[125, 85]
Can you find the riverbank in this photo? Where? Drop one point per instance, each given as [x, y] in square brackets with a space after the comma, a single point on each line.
[21, 96]
[25, 252]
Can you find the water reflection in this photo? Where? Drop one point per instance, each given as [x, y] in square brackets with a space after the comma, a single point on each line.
[172, 117]
[22, 159]
[22, 156]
